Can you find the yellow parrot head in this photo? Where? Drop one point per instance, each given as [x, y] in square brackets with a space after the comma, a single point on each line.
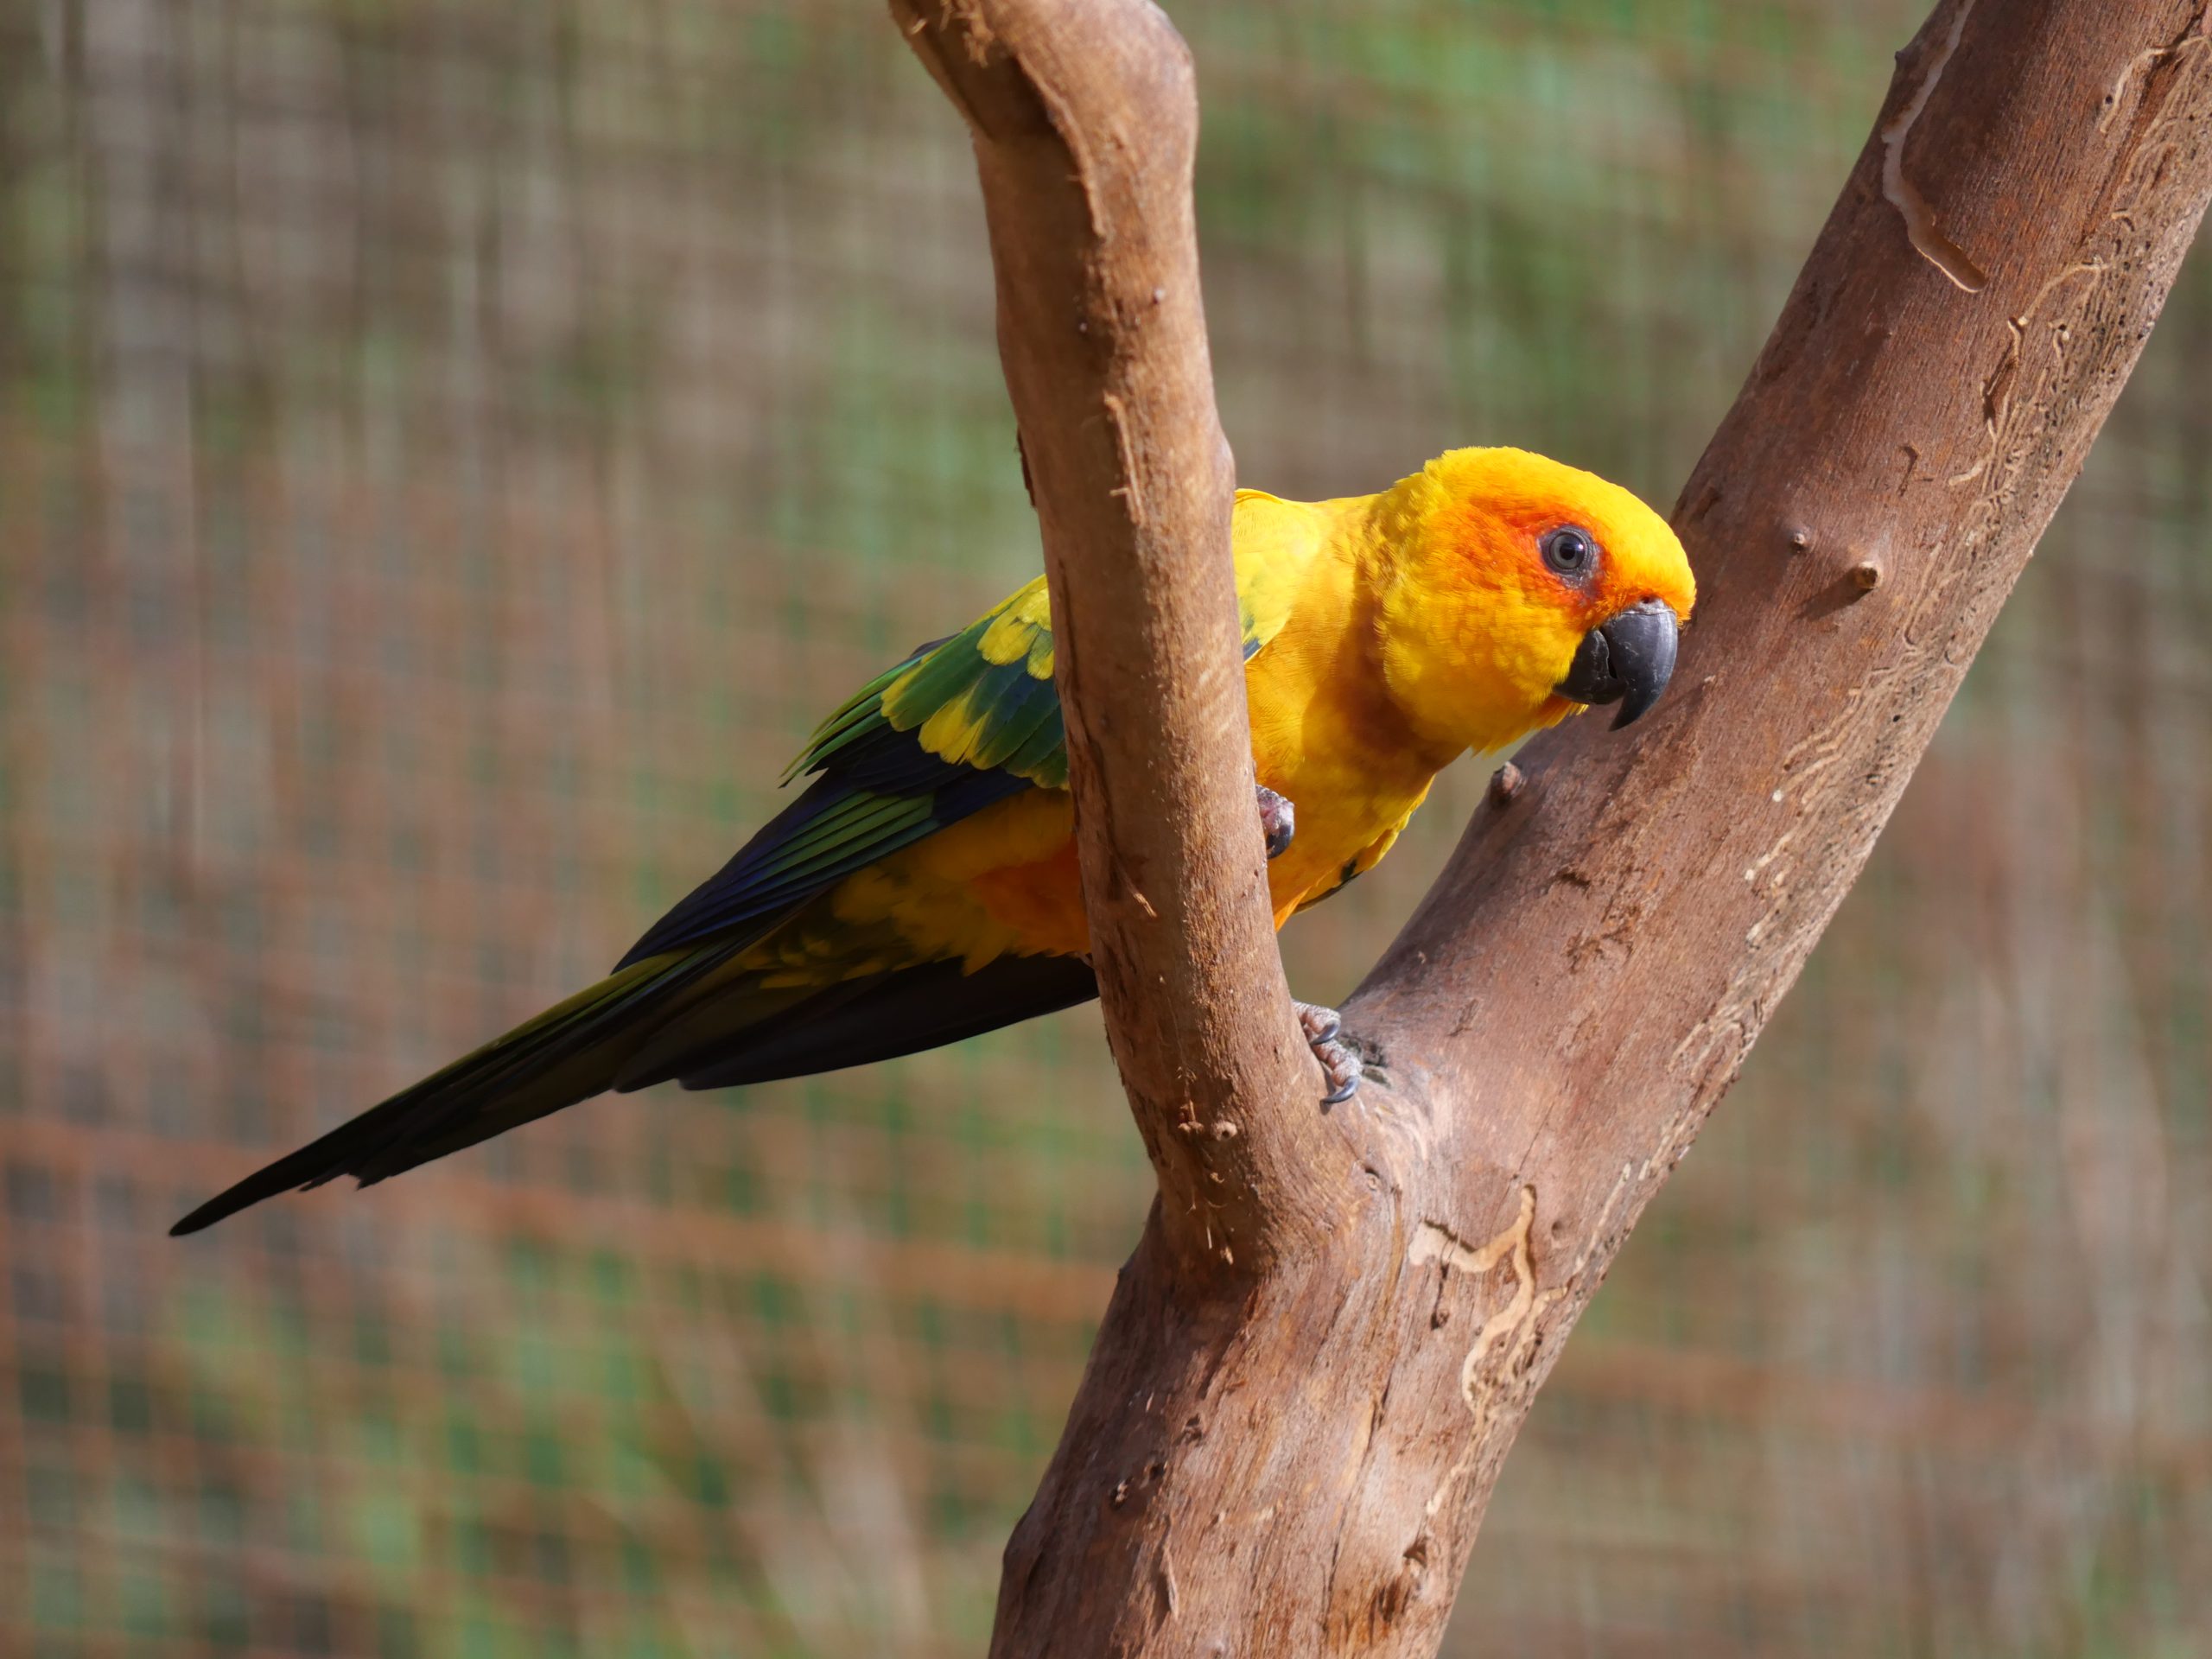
[1513, 590]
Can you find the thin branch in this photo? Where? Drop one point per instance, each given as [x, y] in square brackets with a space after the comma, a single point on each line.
[1084, 117]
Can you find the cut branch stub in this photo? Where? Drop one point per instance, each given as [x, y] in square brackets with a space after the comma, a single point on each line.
[1084, 117]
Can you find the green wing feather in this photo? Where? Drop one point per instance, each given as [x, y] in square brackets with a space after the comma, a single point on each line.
[984, 698]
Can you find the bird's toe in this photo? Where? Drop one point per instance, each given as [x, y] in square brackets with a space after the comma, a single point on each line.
[1339, 1061]
[1343, 1070]
[1278, 820]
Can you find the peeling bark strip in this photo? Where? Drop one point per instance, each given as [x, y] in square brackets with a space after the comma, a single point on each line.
[1308, 1375]
[1920, 225]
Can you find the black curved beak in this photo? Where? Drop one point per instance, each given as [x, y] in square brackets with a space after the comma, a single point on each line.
[1629, 660]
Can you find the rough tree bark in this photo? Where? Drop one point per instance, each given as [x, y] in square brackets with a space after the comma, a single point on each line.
[1334, 1324]
[1085, 122]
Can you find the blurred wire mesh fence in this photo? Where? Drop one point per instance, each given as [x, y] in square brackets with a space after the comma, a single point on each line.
[449, 453]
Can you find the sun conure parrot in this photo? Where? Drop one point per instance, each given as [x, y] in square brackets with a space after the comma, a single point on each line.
[923, 888]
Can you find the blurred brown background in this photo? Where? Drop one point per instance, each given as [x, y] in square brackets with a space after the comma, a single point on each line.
[450, 453]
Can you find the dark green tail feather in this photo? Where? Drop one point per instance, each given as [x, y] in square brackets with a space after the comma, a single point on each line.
[568, 1053]
[639, 1027]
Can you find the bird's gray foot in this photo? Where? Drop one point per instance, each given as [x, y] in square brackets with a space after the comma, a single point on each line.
[1324, 1030]
[1278, 820]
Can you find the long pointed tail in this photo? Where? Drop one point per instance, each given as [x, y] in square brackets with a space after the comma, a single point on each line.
[570, 1053]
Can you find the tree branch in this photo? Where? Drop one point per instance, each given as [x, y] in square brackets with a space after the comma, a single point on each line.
[1300, 1468]
[1084, 117]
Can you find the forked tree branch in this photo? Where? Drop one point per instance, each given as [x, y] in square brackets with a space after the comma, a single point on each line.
[1290, 1454]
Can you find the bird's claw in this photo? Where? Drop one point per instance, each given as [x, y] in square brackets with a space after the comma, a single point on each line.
[1340, 1062]
[1278, 820]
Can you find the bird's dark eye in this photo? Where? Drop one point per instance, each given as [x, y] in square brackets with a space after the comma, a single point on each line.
[1570, 550]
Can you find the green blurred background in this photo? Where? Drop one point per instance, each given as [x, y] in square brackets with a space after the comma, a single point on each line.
[450, 453]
